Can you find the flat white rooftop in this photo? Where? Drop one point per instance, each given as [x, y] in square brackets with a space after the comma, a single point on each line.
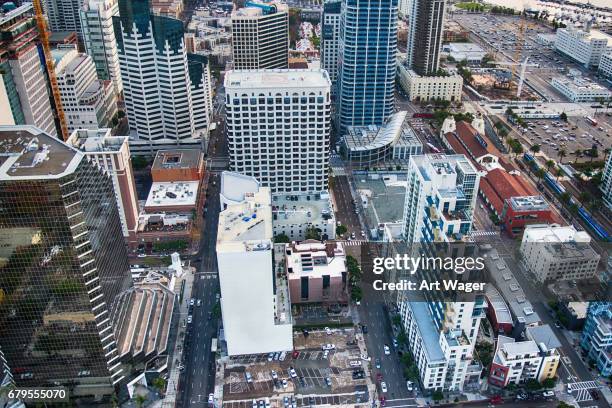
[554, 234]
[164, 194]
[276, 78]
[250, 220]
[311, 259]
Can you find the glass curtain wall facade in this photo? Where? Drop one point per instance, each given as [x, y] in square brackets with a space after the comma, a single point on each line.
[367, 62]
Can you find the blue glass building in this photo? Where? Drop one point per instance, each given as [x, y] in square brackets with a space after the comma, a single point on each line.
[367, 62]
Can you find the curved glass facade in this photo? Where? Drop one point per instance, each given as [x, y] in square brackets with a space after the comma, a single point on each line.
[368, 46]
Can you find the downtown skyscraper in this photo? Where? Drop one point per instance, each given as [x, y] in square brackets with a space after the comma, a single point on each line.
[367, 62]
[63, 264]
[163, 86]
[425, 26]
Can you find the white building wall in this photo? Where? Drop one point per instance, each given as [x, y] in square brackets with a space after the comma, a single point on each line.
[32, 88]
[581, 46]
[247, 303]
[605, 65]
[63, 15]
[606, 182]
[421, 88]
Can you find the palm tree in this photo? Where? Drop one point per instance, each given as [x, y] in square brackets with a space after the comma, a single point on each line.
[577, 153]
[535, 148]
[562, 154]
[549, 164]
[140, 400]
[558, 172]
[540, 173]
[584, 197]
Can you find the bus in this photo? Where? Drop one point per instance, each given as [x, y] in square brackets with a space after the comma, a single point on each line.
[213, 345]
[591, 121]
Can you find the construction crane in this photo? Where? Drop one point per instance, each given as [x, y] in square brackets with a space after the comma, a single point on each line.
[44, 39]
[523, 66]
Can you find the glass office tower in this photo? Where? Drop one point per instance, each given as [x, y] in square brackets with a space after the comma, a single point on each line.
[62, 264]
[367, 62]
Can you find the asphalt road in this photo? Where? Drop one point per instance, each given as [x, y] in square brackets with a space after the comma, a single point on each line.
[345, 210]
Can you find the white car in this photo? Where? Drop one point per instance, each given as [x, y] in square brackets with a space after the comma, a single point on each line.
[211, 399]
[328, 347]
[383, 386]
[191, 302]
[410, 386]
[326, 354]
[387, 350]
[199, 303]
[292, 372]
[284, 383]
[189, 319]
[328, 331]
[365, 357]
[274, 375]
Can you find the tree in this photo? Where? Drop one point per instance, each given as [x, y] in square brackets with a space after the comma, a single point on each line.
[549, 383]
[564, 405]
[341, 229]
[313, 233]
[437, 395]
[356, 294]
[159, 384]
[577, 153]
[565, 197]
[517, 148]
[563, 116]
[562, 154]
[606, 153]
[535, 148]
[533, 385]
[540, 173]
[140, 400]
[549, 164]
[402, 338]
[584, 197]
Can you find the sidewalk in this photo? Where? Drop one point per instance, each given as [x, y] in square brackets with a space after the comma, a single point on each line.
[174, 358]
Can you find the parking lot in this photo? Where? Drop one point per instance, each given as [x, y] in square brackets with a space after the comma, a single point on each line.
[310, 372]
[577, 135]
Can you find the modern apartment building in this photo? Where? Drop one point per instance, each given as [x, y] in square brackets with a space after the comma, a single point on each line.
[112, 154]
[63, 15]
[426, 88]
[605, 65]
[88, 102]
[606, 182]
[316, 272]
[516, 362]
[161, 85]
[553, 253]
[99, 39]
[585, 47]
[439, 208]
[440, 198]
[260, 36]
[23, 84]
[255, 308]
[367, 63]
[330, 40]
[64, 266]
[425, 27]
[278, 124]
[596, 338]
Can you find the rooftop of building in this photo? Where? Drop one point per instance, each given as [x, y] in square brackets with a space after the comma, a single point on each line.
[500, 186]
[500, 307]
[385, 196]
[579, 84]
[332, 7]
[517, 349]
[463, 47]
[578, 309]
[544, 335]
[26, 152]
[250, 220]
[302, 209]
[96, 141]
[507, 284]
[177, 159]
[478, 145]
[395, 131]
[67, 58]
[8, 14]
[259, 8]
[315, 259]
[168, 194]
[428, 330]
[276, 78]
[587, 35]
[234, 185]
[555, 234]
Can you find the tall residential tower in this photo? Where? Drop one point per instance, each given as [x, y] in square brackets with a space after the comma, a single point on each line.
[330, 39]
[425, 26]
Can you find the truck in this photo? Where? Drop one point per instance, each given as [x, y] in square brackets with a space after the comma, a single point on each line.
[592, 121]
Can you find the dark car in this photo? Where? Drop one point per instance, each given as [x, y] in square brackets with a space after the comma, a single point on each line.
[364, 329]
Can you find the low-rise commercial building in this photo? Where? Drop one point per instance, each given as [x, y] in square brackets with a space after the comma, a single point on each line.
[573, 314]
[580, 89]
[470, 139]
[178, 165]
[558, 253]
[316, 272]
[256, 309]
[498, 311]
[585, 47]
[371, 145]
[469, 52]
[596, 338]
[426, 88]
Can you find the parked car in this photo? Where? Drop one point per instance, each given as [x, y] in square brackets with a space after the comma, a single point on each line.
[383, 386]
[410, 386]
[328, 331]
[328, 347]
[274, 375]
[248, 376]
[292, 372]
[387, 350]
[377, 362]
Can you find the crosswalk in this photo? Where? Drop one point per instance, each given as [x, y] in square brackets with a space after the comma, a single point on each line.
[354, 242]
[582, 390]
[338, 171]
